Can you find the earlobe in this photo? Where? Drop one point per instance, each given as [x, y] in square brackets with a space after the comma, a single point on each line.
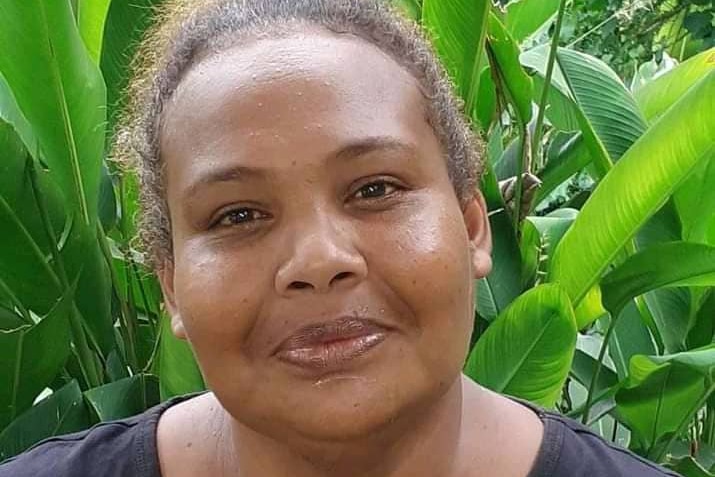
[479, 233]
[166, 281]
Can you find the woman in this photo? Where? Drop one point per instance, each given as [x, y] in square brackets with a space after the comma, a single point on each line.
[310, 207]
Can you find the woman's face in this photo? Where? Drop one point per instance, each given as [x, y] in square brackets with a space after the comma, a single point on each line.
[322, 265]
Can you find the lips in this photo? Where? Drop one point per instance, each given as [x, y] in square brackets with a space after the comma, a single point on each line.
[331, 345]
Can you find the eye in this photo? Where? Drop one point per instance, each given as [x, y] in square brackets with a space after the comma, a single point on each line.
[376, 190]
[238, 216]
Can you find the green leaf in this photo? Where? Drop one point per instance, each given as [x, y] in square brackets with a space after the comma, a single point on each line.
[504, 60]
[60, 92]
[60, 413]
[91, 15]
[634, 190]
[689, 467]
[530, 253]
[568, 159]
[30, 358]
[411, 8]
[658, 95]
[486, 106]
[630, 337]
[10, 113]
[457, 29]
[663, 393]
[176, 366]
[503, 284]
[552, 228]
[527, 351]
[26, 264]
[126, 24]
[9, 320]
[124, 398]
[24, 249]
[695, 195]
[583, 369]
[668, 264]
[605, 111]
[604, 99]
[525, 17]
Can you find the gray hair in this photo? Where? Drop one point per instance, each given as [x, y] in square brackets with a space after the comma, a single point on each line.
[188, 30]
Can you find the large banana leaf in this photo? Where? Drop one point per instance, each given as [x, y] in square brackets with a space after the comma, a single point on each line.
[587, 93]
[523, 18]
[457, 29]
[675, 264]
[91, 15]
[527, 351]
[176, 366]
[496, 291]
[658, 95]
[24, 247]
[125, 26]
[30, 358]
[694, 199]
[504, 61]
[663, 393]
[124, 398]
[604, 99]
[26, 263]
[635, 188]
[10, 113]
[668, 264]
[630, 337]
[60, 413]
[61, 93]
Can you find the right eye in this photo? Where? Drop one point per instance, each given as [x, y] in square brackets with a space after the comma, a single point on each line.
[239, 216]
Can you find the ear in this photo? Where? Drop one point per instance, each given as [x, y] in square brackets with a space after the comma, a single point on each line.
[166, 281]
[480, 236]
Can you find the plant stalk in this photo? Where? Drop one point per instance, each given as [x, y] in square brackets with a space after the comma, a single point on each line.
[536, 150]
[681, 427]
[86, 360]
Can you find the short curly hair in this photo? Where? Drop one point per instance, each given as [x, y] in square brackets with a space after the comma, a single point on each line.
[187, 31]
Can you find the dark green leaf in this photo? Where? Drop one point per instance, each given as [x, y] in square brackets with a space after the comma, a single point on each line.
[176, 366]
[457, 29]
[525, 17]
[124, 398]
[126, 23]
[527, 351]
[30, 358]
[67, 111]
[633, 191]
[667, 264]
[62, 412]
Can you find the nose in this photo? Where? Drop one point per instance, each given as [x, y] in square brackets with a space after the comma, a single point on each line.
[322, 258]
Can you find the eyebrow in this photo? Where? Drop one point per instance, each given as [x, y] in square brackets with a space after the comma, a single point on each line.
[234, 173]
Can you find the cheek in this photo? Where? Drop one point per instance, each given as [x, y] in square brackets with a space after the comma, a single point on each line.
[217, 299]
[426, 262]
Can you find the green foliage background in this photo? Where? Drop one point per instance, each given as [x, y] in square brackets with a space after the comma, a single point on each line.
[602, 300]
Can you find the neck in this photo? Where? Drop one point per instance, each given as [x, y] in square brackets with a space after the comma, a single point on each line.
[423, 443]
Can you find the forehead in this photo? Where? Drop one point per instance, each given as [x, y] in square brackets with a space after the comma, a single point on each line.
[291, 81]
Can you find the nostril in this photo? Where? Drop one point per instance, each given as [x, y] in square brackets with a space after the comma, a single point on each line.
[300, 285]
[342, 275]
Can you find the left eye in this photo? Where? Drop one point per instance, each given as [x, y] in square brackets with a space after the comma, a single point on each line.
[375, 190]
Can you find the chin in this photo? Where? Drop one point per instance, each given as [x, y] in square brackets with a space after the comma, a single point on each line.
[349, 408]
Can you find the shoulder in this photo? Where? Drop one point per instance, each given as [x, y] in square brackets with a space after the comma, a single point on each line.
[116, 448]
[569, 448]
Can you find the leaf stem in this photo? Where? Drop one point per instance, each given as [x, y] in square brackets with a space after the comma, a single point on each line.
[125, 314]
[87, 363]
[686, 420]
[547, 81]
[599, 364]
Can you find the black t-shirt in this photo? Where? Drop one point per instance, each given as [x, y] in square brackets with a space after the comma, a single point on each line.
[127, 448]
